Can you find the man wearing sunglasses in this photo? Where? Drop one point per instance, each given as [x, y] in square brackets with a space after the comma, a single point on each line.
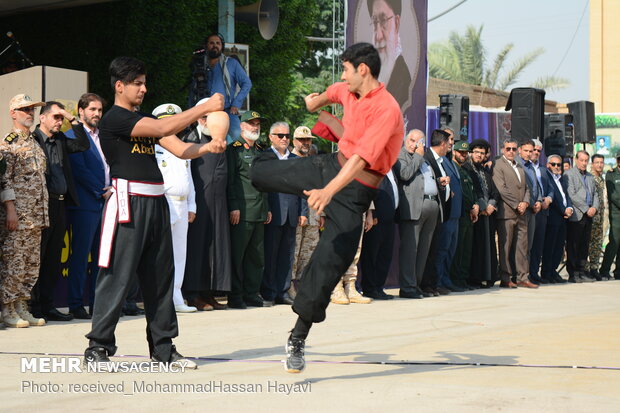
[286, 214]
[510, 180]
[540, 220]
[555, 234]
[62, 192]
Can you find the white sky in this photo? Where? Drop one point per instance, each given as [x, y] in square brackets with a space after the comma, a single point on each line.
[528, 24]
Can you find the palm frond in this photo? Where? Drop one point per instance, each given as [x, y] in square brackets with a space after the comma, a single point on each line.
[493, 73]
[511, 77]
[550, 83]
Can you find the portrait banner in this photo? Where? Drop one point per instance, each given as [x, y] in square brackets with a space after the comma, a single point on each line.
[397, 28]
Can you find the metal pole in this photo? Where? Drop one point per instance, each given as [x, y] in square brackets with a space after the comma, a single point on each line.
[226, 19]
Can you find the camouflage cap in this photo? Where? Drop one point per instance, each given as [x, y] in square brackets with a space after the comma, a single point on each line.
[302, 132]
[461, 146]
[251, 114]
[23, 101]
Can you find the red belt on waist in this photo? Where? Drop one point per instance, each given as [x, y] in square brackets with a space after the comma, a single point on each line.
[117, 211]
[365, 176]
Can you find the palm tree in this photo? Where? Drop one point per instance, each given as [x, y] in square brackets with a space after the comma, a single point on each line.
[463, 58]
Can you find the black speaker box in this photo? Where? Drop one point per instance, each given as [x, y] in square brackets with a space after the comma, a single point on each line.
[454, 113]
[528, 109]
[583, 118]
[559, 139]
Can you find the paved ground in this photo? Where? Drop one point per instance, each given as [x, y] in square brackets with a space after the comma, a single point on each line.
[565, 325]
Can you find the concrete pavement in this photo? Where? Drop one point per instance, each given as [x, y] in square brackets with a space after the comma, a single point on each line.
[557, 325]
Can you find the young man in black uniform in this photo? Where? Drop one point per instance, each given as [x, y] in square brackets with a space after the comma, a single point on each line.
[136, 237]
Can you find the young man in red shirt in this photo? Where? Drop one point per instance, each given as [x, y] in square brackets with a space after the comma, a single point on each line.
[341, 184]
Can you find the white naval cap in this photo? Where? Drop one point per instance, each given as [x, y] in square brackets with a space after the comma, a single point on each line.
[165, 110]
[201, 101]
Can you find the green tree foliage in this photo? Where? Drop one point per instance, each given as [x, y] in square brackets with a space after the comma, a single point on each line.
[164, 34]
[463, 58]
[607, 121]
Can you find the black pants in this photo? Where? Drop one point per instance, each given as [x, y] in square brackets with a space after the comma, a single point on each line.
[52, 241]
[577, 244]
[143, 249]
[376, 257]
[536, 251]
[343, 222]
[279, 250]
[612, 250]
[553, 251]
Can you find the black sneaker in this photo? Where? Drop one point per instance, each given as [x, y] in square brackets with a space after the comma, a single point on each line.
[295, 362]
[96, 356]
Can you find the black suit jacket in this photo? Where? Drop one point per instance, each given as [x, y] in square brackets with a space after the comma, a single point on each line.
[79, 144]
[557, 207]
[385, 209]
[445, 205]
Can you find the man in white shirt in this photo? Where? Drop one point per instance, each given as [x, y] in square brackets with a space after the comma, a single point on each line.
[181, 197]
[91, 174]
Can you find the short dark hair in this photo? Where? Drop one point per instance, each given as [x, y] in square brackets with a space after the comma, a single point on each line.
[48, 106]
[363, 53]
[395, 5]
[86, 98]
[126, 69]
[582, 152]
[527, 142]
[215, 34]
[439, 136]
[597, 156]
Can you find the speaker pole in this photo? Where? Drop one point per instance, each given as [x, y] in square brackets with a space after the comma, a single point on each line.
[226, 19]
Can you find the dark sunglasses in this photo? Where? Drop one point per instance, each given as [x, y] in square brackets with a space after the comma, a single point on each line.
[510, 149]
[555, 164]
[26, 109]
[536, 150]
[282, 135]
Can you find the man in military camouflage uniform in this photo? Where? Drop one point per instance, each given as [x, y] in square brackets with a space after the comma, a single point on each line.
[307, 235]
[24, 214]
[595, 250]
[248, 215]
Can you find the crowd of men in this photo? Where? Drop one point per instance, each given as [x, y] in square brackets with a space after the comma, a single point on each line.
[465, 220]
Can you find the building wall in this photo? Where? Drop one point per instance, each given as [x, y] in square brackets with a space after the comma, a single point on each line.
[605, 55]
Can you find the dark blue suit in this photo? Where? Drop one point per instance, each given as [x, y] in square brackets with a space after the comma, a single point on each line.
[555, 234]
[449, 229]
[536, 252]
[84, 220]
[280, 241]
[377, 247]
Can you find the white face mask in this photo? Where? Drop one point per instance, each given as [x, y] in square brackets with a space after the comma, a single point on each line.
[252, 136]
[203, 129]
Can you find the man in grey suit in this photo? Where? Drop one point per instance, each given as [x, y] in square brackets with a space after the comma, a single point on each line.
[509, 178]
[582, 192]
[419, 212]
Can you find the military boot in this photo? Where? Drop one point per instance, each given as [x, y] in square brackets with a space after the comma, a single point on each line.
[338, 295]
[21, 308]
[353, 295]
[11, 318]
